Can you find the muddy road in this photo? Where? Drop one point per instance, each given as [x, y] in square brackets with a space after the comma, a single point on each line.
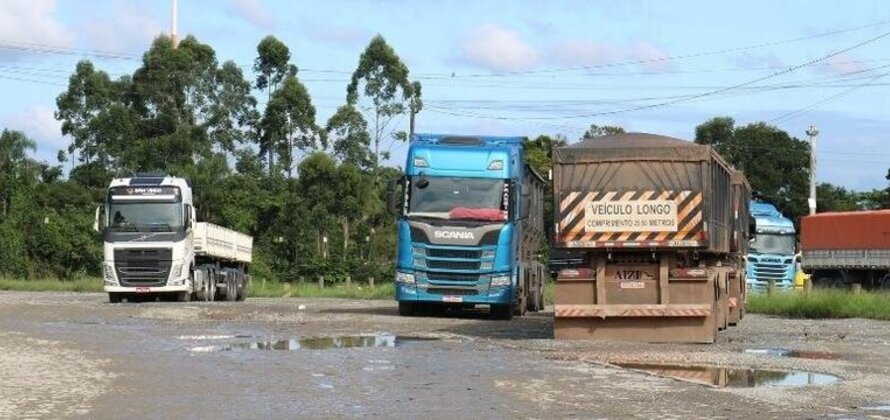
[74, 355]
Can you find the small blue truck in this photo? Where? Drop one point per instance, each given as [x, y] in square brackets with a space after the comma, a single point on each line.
[470, 224]
[771, 254]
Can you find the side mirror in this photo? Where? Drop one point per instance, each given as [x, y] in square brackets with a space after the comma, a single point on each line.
[188, 217]
[752, 228]
[392, 199]
[97, 220]
[525, 202]
[524, 207]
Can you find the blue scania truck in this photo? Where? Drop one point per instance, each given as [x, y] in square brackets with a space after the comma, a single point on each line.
[771, 254]
[470, 223]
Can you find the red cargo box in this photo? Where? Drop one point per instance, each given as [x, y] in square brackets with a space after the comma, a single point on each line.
[846, 230]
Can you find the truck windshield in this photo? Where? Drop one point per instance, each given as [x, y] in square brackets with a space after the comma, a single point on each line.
[773, 243]
[459, 199]
[144, 215]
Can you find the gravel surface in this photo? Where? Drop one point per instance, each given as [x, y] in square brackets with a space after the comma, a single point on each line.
[74, 355]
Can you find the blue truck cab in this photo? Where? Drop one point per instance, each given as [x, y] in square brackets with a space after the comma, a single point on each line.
[470, 222]
[771, 254]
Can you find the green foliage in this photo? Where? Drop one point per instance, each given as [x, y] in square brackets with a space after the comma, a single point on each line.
[776, 164]
[79, 284]
[348, 131]
[821, 304]
[382, 78]
[599, 131]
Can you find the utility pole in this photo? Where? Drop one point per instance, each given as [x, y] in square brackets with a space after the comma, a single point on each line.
[173, 18]
[812, 132]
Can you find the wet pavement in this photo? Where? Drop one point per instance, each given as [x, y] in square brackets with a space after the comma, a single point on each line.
[74, 355]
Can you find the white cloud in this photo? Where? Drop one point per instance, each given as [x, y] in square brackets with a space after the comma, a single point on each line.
[40, 125]
[582, 52]
[652, 58]
[497, 48]
[255, 13]
[842, 64]
[127, 29]
[31, 22]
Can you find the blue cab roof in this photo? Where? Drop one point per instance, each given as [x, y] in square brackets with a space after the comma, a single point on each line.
[464, 155]
[769, 218]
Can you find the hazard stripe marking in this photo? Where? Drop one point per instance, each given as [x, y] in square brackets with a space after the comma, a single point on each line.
[572, 219]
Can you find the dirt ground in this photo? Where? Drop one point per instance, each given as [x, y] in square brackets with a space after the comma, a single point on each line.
[74, 355]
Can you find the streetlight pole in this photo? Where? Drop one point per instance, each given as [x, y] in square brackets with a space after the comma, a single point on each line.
[812, 132]
[174, 16]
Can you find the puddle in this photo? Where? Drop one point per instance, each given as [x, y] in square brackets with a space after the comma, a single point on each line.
[798, 354]
[734, 377]
[884, 407]
[318, 343]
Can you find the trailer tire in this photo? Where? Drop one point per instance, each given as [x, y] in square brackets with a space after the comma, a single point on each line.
[115, 297]
[406, 308]
[502, 312]
[242, 289]
[183, 296]
[231, 288]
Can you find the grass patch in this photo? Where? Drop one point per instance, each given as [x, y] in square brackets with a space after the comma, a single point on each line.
[309, 290]
[822, 304]
[87, 284]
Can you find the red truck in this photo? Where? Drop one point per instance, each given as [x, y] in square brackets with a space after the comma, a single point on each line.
[839, 249]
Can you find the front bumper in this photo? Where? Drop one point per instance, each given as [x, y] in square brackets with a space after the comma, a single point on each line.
[157, 289]
[494, 296]
[762, 285]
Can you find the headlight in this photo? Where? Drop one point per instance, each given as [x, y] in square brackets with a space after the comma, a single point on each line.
[500, 281]
[108, 274]
[177, 271]
[407, 278]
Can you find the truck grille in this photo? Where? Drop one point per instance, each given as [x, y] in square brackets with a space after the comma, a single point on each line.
[148, 267]
[764, 272]
[453, 253]
[466, 278]
[452, 291]
[453, 265]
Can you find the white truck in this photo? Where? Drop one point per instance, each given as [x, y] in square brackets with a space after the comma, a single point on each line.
[153, 246]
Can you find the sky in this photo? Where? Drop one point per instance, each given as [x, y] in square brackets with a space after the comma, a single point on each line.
[512, 68]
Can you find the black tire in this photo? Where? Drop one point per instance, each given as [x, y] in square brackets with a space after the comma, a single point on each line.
[231, 289]
[502, 312]
[115, 297]
[406, 308]
[183, 296]
[242, 289]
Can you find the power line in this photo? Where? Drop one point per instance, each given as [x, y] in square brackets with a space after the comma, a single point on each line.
[794, 114]
[705, 94]
[674, 57]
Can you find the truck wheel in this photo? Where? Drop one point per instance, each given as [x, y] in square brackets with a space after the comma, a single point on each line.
[115, 297]
[183, 296]
[242, 289]
[231, 289]
[520, 307]
[503, 312]
[406, 308]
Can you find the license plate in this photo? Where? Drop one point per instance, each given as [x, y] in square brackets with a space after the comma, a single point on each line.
[142, 290]
[452, 299]
[633, 285]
